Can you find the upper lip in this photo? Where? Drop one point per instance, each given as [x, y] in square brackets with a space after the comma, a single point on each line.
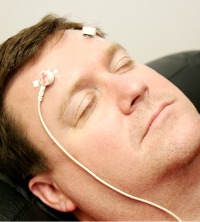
[154, 116]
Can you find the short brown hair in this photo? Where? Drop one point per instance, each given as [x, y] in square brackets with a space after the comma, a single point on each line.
[19, 159]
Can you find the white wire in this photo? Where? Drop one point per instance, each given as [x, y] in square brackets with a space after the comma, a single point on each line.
[93, 174]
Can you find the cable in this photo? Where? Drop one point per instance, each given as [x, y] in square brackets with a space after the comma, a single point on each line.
[41, 94]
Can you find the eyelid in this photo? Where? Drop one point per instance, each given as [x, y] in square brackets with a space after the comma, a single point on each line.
[124, 62]
[84, 106]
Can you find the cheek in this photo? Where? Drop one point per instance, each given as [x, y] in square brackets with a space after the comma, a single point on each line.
[106, 149]
[100, 141]
[157, 81]
[159, 84]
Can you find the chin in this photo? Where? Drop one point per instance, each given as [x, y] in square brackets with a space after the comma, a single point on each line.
[177, 148]
[184, 147]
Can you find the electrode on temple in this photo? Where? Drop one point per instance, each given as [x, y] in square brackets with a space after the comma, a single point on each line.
[46, 78]
[89, 31]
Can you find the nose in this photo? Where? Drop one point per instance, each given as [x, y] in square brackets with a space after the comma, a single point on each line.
[127, 91]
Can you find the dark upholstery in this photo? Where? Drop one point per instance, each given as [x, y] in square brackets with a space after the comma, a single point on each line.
[183, 69]
[17, 203]
[14, 206]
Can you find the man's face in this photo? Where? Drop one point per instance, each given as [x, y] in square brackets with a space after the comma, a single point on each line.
[119, 118]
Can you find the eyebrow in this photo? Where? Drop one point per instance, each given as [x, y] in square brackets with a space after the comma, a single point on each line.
[81, 82]
[113, 49]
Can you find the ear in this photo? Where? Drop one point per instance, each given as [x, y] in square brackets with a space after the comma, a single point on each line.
[43, 187]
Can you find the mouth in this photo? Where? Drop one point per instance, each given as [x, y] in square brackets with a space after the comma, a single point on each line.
[155, 117]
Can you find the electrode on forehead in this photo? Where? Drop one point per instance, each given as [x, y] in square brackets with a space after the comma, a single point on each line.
[89, 31]
[46, 78]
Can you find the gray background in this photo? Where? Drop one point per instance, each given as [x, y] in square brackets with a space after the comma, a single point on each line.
[147, 28]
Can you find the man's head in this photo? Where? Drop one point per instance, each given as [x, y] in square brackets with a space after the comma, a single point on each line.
[15, 53]
[122, 120]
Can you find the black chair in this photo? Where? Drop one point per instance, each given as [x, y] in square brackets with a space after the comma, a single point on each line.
[17, 203]
[182, 69]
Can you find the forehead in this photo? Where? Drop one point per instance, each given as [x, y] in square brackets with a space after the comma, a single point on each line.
[70, 54]
[73, 45]
[69, 51]
[73, 53]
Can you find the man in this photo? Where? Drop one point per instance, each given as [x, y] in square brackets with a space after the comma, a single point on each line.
[126, 123]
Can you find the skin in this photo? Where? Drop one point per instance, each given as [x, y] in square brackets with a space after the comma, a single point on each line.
[125, 122]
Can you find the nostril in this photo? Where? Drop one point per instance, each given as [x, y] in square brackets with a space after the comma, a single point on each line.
[134, 101]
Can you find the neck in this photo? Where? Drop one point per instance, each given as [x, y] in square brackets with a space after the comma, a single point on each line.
[182, 191]
[179, 193]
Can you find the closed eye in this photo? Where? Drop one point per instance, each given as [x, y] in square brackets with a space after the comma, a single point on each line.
[123, 65]
[86, 107]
